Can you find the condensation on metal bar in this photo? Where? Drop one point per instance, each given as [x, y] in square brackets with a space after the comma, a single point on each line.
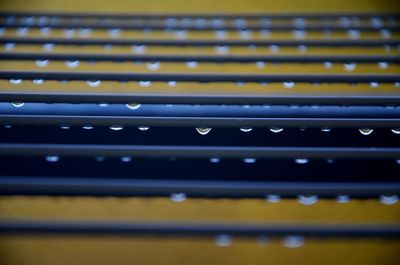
[203, 43]
[66, 97]
[202, 77]
[162, 27]
[193, 229]
[83, 15]
[197, 151]
[61, 186]
[202, 58]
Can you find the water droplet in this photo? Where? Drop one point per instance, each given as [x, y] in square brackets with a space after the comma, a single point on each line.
[223, 240]
[383, 65]
[262, 240]
[191, 65]
[143, 128]
[18, 104]
[52, 158]
[299, 34]
[326, 129]
[203, 131]
[215, 160]
[85, 32]
[144, 83]
[87, 127]
[343, 198]
[293, 241]
[69, 33]
[307, 200]
[349, 66]
[353, 33]
[22, 32]
[100, 158]
[302, 48]
[274, 48]
[388, 199]
[245, 34]
[42, 63]
[9, 46]
[38, 81]
[396, 131]
[177, 197]
[265, 33]
[276, 129]
[8, 126]
[376, 22]
[93, 83]
[65, 127]
[366, 131]
[374, 84]
[221, 34]
[72, 64]
[273, 198]
[116, 127]
[126, 159]
[133, 106]
[45, 31]
[249, 160]
[386, 34]
[260, 65]
[103, 105]
[153, 66]
[246, 129]
[113, 33]
[138, 49]
[48, 46]
[301, 160]
[330, 161]
[171, 83]
[180, 34]
[221, 49]
[328, 65]
[15, 81]
[288, 84]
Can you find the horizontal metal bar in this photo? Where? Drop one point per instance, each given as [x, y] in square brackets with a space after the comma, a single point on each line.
[193, 229]
[288, 15]
[198, 121]
[202, 58]
[162, 27]
[203, 43]
[65, 97]
[197, 151]
[61, 186]
[201, 77]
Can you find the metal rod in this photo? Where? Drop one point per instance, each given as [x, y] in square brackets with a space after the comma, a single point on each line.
[288, 15]
[202, 77]
[198, 98]
[191, 229]
[62, 186]
[161, 27]
[197, 151]
[203, 43]
[202, 58]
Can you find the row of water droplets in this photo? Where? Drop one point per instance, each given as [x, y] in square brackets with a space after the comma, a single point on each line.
[302, 199]
[218, 49]
[291, 241]
[172, 83]
[179, 34]
[206, 130]
[154, 66]
[239, 22]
